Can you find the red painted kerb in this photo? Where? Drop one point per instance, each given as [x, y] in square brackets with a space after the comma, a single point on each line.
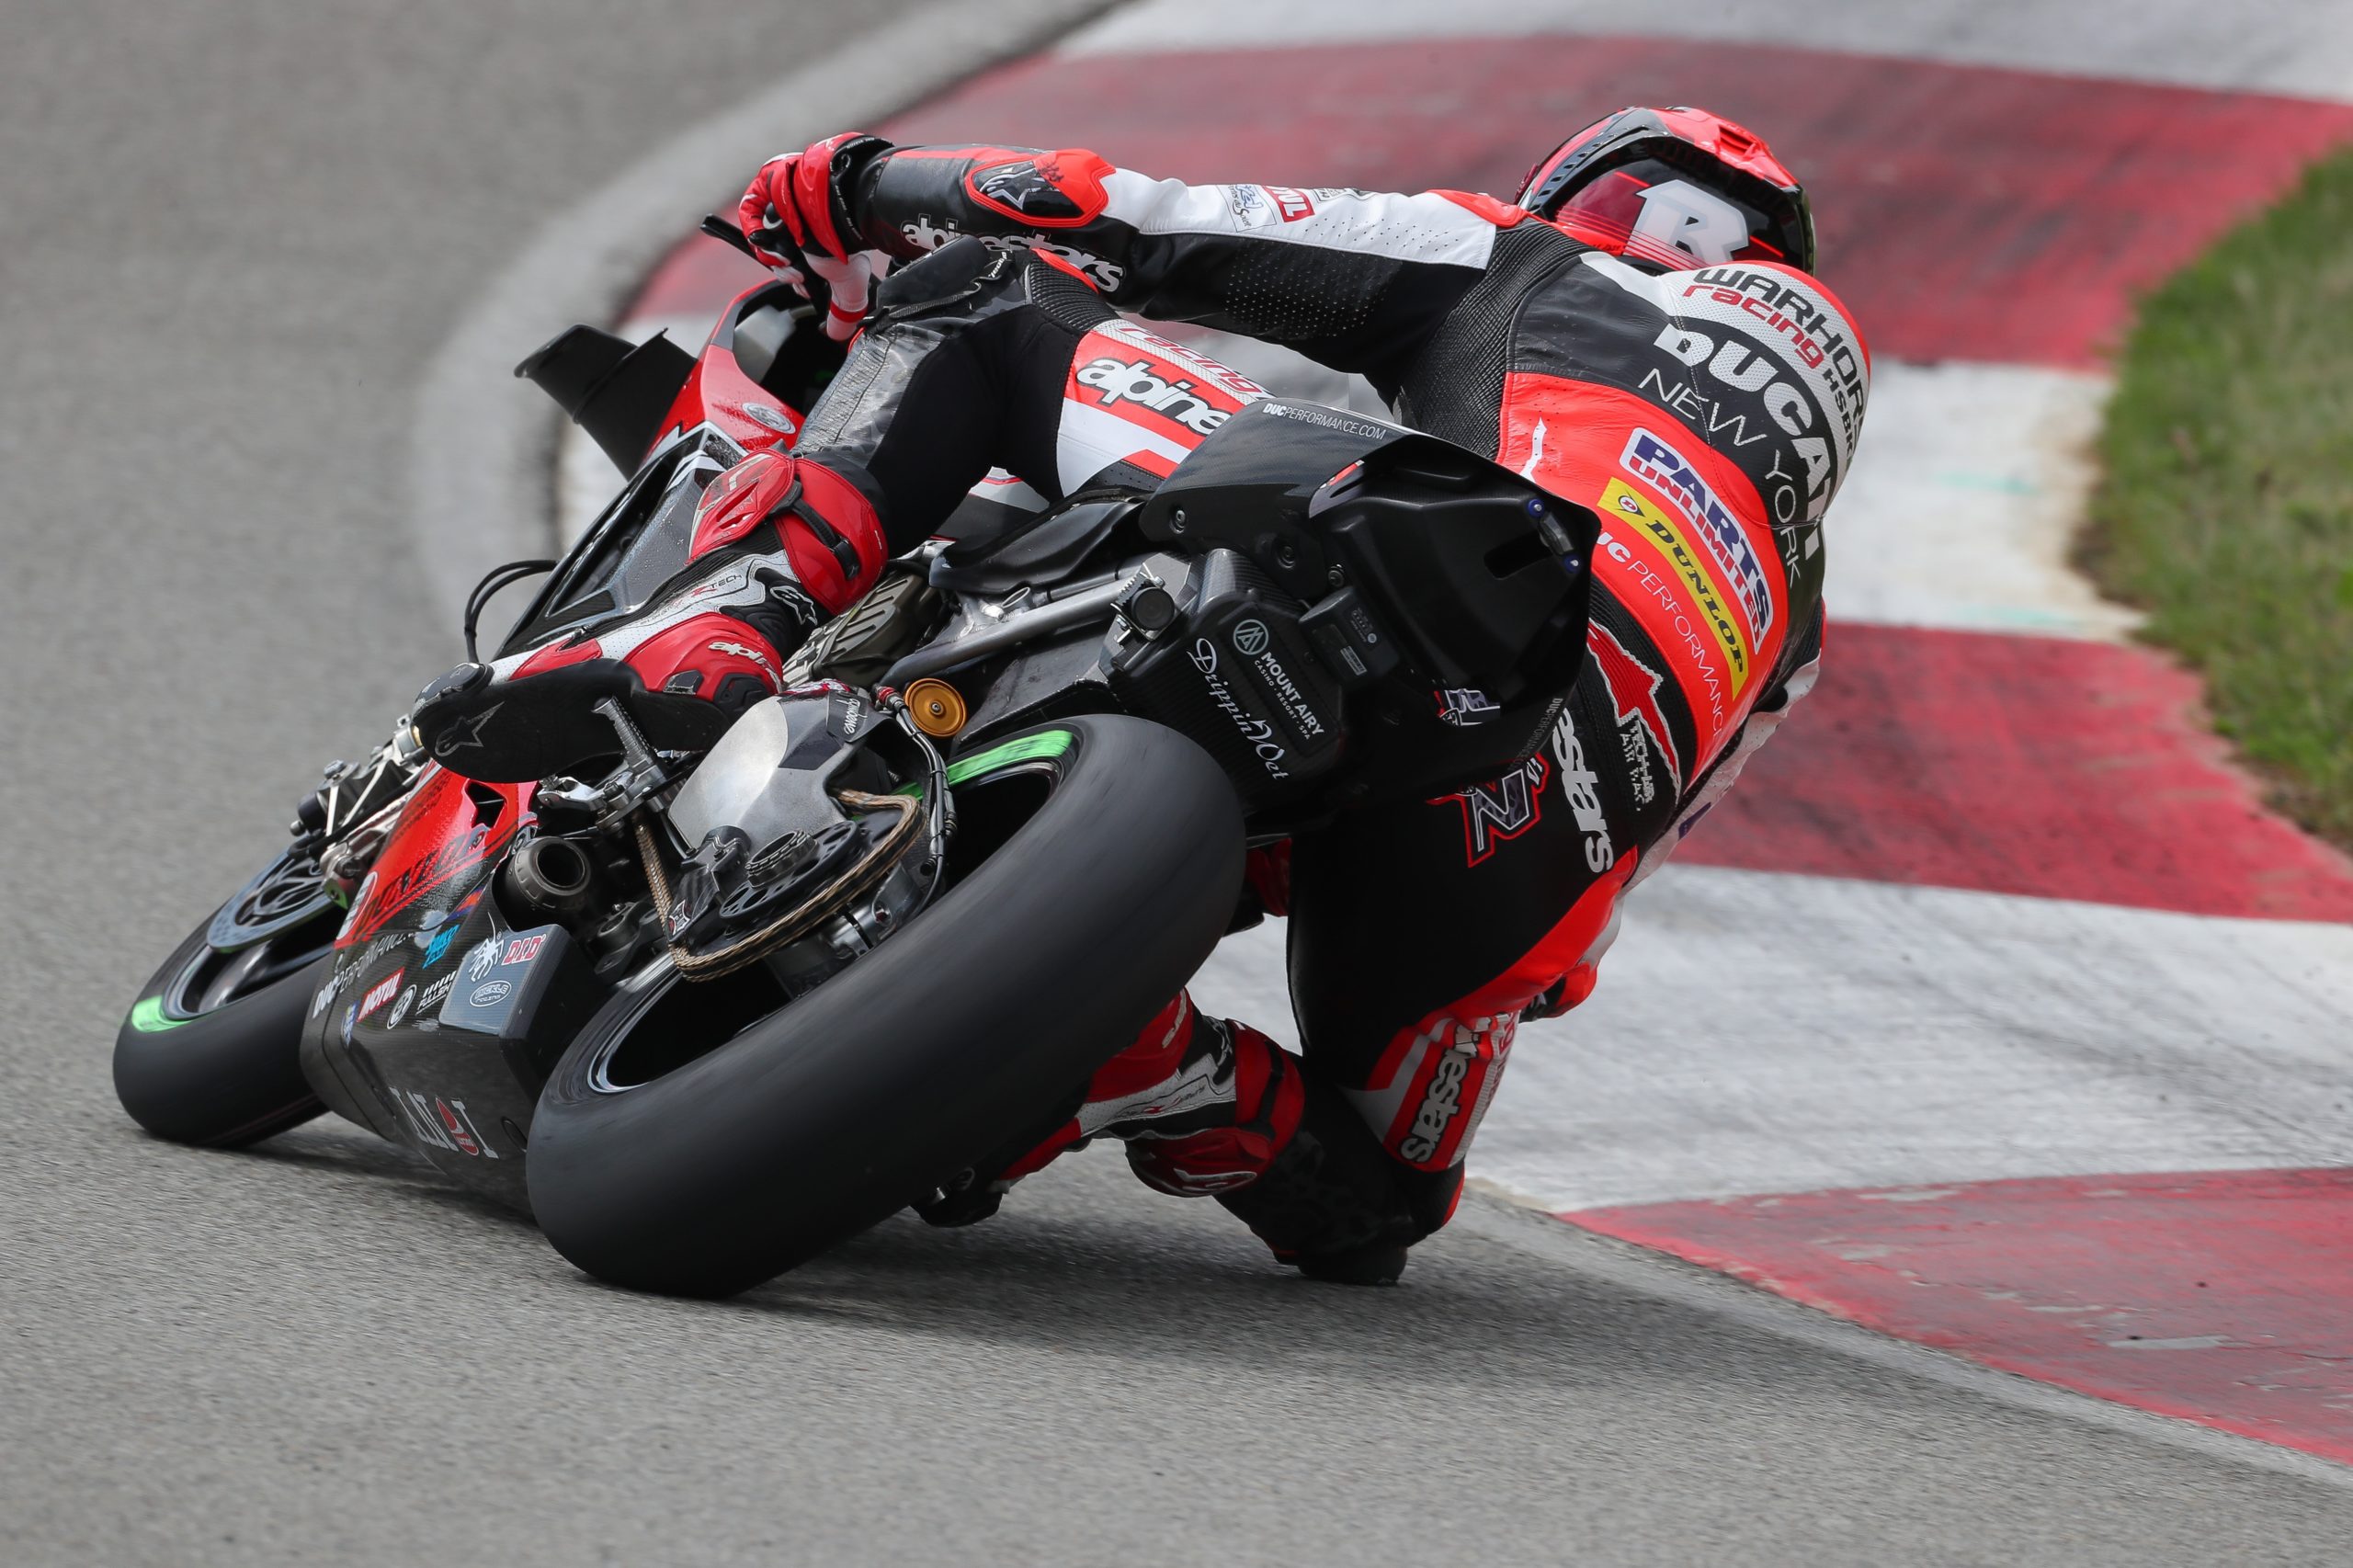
[2219, 1296]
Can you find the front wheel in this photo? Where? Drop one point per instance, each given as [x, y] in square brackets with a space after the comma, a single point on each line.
[697, 1139]
[210, 1053]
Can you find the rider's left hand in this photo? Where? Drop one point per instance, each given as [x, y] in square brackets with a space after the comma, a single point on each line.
[793, 215]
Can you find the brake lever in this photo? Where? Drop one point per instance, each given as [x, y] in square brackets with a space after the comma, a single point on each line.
[638, 779]
[813, 288]
[719, 229]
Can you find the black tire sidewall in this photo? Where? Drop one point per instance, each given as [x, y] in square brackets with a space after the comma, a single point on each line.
[838, 1111]
[228, 1077]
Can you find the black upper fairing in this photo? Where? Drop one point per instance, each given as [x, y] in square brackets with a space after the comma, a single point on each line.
[1483, 576]
[634, 550]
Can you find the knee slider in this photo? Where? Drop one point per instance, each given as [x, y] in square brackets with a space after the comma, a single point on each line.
[1334, 1189]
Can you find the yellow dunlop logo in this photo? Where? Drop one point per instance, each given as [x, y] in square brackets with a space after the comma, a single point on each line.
[1621, 500]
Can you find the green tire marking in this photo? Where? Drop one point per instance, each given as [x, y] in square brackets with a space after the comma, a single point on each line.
[1027, 748]
[1046, 742]
[148, 1018]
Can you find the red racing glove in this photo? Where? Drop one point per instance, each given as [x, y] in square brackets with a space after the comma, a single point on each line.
[796, 220]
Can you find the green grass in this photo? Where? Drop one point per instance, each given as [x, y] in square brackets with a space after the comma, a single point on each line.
[2226, 508]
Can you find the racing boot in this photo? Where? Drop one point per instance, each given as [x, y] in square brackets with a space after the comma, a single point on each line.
[1202, 1105]
[780, 545]
[1209, 1108]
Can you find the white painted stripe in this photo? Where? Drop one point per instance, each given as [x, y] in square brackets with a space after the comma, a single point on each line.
[1760, 1032]
[2282, 46]
[1964, 502]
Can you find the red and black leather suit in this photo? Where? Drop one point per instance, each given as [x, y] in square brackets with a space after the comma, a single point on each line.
[1707, 415]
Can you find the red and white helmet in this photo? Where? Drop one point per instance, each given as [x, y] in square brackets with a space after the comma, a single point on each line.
[1675, 187]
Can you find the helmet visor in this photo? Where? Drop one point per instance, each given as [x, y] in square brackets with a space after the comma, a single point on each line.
[1646, 210]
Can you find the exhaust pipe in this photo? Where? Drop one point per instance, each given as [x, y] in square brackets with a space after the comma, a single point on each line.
[552, 878]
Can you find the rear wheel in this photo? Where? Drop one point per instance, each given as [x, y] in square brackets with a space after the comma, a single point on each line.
[210, 1053]
[699, 1139]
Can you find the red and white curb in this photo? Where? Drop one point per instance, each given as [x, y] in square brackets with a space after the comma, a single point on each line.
[1995, 919]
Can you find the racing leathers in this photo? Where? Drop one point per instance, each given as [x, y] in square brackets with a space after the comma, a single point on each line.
[1708, 416]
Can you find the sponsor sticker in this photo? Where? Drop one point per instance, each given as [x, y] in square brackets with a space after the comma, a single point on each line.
[383, 991]
[1642, 721]
[1651, 596]
[1578, 783]
[401, 1007]
[438, 946]
[1502, 809]
[1251, 206]
[1622, 503]
[441, 929]
[1464, 706]
[1441, 1099]
[326, 995]
[443, 1124]
[1652, 460]
[1332, 419]
[1290, 206]
[523, 948]
[491, 994]
[1257, 734]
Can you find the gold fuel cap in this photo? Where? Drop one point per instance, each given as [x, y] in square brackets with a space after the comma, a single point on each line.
[936, 707]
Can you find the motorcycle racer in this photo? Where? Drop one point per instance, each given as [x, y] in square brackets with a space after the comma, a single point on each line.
[1638, 332]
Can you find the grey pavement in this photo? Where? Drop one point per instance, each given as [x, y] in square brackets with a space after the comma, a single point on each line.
[231, 236]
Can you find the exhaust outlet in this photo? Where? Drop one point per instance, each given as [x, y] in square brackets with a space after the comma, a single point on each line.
[552, 878]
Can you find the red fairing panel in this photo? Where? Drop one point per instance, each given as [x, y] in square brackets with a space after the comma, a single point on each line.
[442, 835]
[719, 393]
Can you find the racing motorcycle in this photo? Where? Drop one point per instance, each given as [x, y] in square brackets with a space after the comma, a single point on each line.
[703, 1016]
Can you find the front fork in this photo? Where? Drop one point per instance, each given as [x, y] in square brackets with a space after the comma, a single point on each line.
[351, 812]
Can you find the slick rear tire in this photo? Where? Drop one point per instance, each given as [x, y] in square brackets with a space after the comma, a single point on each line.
[223, 1077]
[834, 1112]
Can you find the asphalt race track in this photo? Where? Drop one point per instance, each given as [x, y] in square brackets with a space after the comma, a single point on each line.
[233, 237]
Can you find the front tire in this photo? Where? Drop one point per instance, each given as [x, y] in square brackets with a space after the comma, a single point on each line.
[828, 1115]
[210, 1053]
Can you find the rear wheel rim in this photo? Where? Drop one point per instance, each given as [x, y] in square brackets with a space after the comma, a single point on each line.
[616, 1066]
